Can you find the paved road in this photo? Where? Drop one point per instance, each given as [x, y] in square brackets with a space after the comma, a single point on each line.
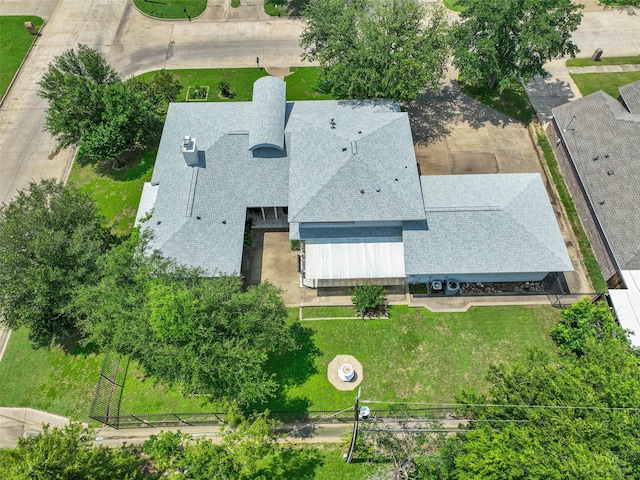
[132, 43]
[616, 31]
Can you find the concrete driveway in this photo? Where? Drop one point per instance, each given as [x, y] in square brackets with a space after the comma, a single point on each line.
[455, 134]
[270, 258]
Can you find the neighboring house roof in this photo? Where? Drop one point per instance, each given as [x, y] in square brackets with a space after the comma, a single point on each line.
[627, 304]
[630, 94]
[500, 223]
[603, 139]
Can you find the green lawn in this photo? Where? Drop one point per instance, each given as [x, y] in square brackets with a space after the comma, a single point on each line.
[304, 84]
[513, 100]
[171, 9]
[117, 192]
[591, 264]
[453, 5]
[329, 312]
[414, 355]
[587, 62]
[276, 8]
[14, 45]
[50, 380]
[329, 464]
[608, 82]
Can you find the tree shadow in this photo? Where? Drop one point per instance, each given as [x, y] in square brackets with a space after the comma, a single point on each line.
[301, 463]
[291, 369]
[134, 163]
[434, 113]
[295, 8]
[546, 93]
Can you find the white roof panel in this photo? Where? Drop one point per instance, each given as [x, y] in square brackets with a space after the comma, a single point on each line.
[627, 304]
[147, 201]
[354, 258]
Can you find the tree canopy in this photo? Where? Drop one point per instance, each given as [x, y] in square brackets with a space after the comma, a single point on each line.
[204, 335]
[596, 433]
[88, 102]
[69, 453]
[502, 41]
[370, 49]
[51, 237]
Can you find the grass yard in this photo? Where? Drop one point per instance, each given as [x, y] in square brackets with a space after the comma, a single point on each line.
[591, 264]
[329, 465]
[141, 395]
[329, 312]
[453, 5]
[513, 100]
[608, 82]
[305, 83]
[587, 62]
[117, 192]
[276, 8]
[14, 45]
[171, 9]
[240, 79]
[51, 380]
[414, 355]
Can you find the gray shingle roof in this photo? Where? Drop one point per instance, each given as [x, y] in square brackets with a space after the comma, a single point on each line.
[630, 93]
[202, 209]
[604, 137]
[231, 179]
[500, 223]
[354, 161]
[266, 127]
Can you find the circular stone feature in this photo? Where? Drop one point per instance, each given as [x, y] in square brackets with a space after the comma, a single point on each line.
[346, 373]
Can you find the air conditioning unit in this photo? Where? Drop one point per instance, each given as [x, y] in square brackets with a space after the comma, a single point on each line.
[451, 287]
[436, 286]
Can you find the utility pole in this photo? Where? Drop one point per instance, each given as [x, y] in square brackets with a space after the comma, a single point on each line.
[354, 437]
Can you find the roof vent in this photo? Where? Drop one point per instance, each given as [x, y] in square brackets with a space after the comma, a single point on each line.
[377, 189]
[610, 172]
[595, 158]
[332, 122]
[606, 156]
[362, 192]
[189, 151]
[344, 149]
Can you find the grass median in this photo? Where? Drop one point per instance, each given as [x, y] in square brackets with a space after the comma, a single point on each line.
[171, 9]
[15, 42]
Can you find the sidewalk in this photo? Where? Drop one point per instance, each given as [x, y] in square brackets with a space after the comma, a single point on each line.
[605, 68]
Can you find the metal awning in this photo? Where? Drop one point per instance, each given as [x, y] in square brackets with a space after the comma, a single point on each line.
[626, 303]
[354, 258]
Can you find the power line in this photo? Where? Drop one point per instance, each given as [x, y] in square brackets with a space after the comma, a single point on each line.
[559, 407]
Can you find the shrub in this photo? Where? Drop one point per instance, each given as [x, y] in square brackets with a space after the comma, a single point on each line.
[370, 300]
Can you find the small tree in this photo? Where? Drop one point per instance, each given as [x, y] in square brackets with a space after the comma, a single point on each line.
[370, 300]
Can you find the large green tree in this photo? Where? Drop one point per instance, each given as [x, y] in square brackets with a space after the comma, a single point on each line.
[204, 335]
[370, 49]
[502, 41]
[89, 104]
[248, 449]
[596, 432]
[51, 237]
[69, 453]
